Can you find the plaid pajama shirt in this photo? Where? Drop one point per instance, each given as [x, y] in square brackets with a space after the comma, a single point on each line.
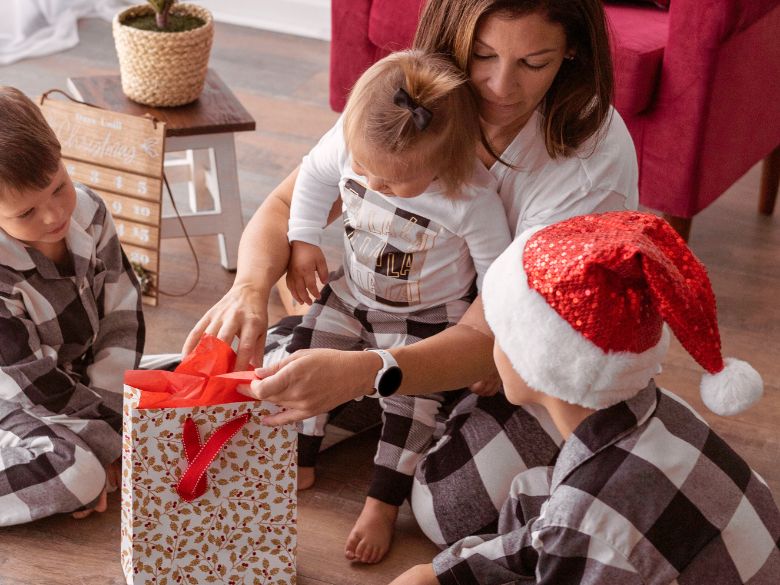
[408, 422]
[66, 339]
[643, 492]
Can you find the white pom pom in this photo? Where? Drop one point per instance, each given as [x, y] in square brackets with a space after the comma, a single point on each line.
[733, 389]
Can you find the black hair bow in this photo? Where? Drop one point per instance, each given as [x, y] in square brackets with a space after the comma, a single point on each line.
[421, 116]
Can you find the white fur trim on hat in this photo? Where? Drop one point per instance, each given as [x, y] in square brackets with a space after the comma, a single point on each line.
[733, 389]
[550, 355]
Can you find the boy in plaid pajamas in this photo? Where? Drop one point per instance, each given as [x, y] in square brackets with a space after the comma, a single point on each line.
[70, 325]
[422, 222]
[642, 491]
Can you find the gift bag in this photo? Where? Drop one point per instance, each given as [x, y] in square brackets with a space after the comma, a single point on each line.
[208, 493]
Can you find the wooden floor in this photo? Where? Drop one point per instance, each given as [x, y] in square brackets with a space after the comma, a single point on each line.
[283, 80]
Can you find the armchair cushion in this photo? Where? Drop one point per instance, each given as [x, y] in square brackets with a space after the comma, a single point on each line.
[638, 38]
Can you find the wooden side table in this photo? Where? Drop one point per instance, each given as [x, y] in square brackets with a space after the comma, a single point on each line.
[204, 130]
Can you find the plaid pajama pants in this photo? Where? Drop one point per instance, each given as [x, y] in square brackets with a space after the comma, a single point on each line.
[408, 422]
[45, 468]
[462, 481]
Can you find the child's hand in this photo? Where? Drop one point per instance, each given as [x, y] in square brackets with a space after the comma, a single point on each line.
[417, 575]
[487, 387]
[306, 262]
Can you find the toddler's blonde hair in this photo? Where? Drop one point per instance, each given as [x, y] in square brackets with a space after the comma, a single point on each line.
[376, 126]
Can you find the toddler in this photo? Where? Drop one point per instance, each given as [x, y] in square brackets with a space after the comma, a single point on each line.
[422, 223]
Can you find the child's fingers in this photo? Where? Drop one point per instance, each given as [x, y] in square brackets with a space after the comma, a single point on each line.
[300, 288]
[322, 269]
[311, 285]
[293, 285]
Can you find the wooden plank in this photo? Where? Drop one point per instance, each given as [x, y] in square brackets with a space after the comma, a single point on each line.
[120, 182]
[149, 259]
[131, 232]
[107, 139]
[121, 157]
[146, 257]
[216, 111]
[137, 210]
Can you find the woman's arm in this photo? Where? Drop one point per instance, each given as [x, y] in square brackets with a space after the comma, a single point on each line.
[262, 259]
[263, 254]
[314, 381]
[452, 359]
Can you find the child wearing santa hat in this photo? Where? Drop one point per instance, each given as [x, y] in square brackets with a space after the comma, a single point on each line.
[643, 491]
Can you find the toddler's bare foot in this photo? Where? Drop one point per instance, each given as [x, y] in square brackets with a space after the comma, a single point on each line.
[370, 538]
[306, 478]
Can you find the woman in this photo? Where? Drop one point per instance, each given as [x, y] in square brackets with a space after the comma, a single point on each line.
[543, 75]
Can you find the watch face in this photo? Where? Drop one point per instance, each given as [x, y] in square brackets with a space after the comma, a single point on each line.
[390, 381]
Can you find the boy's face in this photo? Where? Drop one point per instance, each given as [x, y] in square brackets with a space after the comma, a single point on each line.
[40, 218]
[515, 388]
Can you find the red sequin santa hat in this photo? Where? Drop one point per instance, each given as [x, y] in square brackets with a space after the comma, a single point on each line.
[579, 309]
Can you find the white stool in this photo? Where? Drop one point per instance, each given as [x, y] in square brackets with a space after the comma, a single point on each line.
[204, 130]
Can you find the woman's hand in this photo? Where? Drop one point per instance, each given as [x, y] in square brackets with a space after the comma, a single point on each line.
[417, 575]
[242, 312]
[307, 262]
[314, 381]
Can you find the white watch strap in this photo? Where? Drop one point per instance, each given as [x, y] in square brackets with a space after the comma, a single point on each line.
[388, 361]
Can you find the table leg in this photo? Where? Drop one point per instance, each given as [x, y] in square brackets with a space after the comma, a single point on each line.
[225, 220]
[228, 200]
[197, 185]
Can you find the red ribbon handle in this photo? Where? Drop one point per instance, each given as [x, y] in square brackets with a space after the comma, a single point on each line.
[193, 481]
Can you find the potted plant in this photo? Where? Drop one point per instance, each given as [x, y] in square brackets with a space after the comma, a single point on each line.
[163, 48]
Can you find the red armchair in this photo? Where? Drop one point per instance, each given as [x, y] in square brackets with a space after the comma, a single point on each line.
[698, 87]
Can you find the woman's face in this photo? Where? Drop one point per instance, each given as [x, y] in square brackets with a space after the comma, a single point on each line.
[513, 63]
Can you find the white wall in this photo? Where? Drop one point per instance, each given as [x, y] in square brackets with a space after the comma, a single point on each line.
[308, 18]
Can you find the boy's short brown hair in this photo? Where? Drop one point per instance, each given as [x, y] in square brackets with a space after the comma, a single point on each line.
[29, 149]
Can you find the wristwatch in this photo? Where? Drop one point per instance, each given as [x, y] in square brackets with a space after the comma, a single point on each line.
[388, 378]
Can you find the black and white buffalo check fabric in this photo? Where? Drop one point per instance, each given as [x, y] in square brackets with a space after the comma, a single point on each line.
[643, 492]
[66, 338]
[409, 422]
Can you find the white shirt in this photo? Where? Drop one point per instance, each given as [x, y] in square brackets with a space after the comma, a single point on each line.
[542, 191]
[401, 254]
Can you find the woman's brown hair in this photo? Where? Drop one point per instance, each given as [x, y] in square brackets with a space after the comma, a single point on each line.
[375, 125]
[29, 149]
[578, 102]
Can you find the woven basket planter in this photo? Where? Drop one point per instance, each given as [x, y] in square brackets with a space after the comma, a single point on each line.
[163, 68]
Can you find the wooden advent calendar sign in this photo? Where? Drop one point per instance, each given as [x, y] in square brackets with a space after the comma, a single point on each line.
[120, 157]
